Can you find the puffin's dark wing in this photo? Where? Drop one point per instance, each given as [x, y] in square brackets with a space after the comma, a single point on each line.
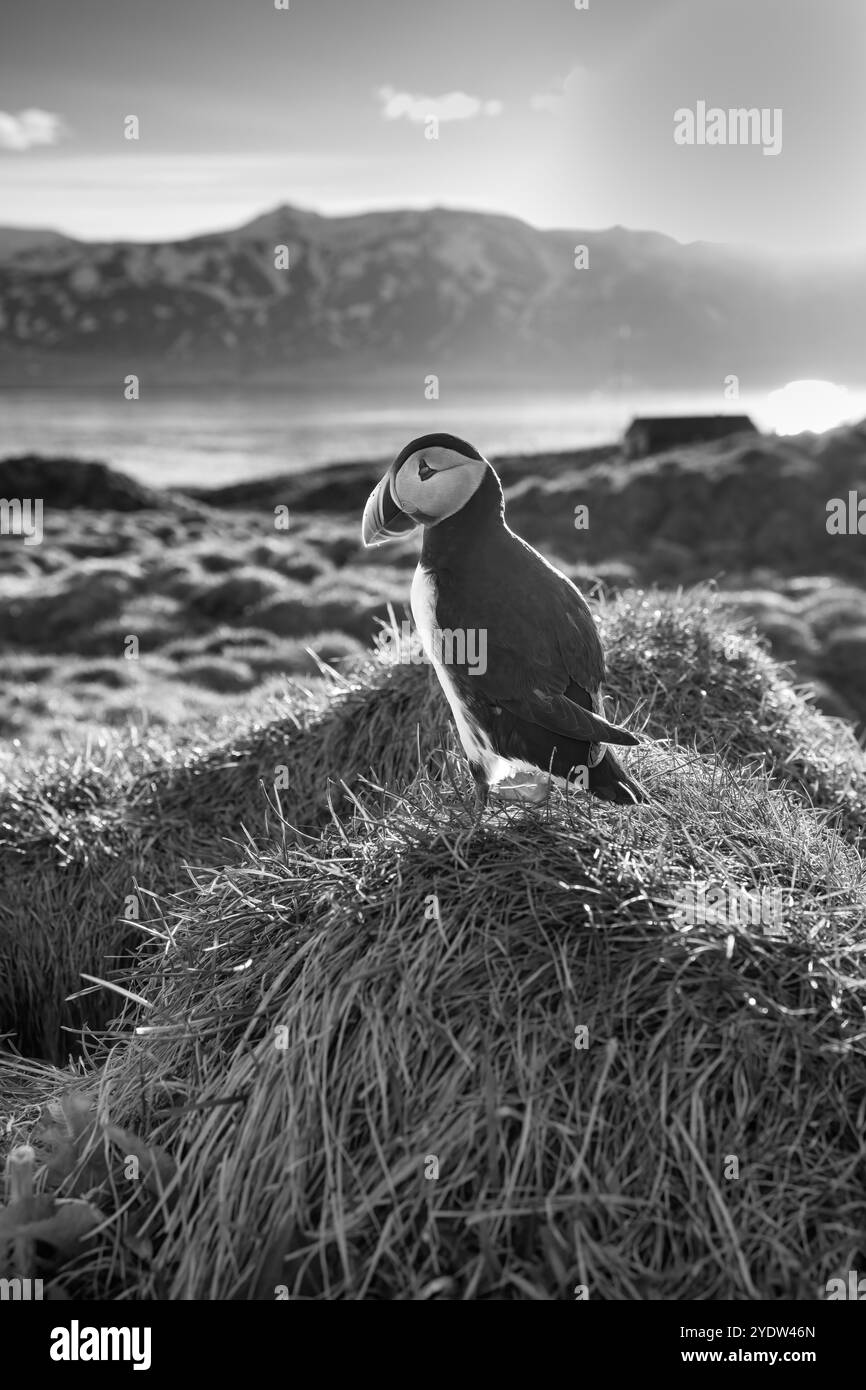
[557, 685]
[553, 625]
[538, 694]
[528, 691]
[562, 716]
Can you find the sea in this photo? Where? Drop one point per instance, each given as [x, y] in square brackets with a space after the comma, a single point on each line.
[189, 437]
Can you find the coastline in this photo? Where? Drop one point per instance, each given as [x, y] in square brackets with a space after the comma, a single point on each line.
[225, 605]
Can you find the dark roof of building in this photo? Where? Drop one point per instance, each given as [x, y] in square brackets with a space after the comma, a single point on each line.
[739, 422]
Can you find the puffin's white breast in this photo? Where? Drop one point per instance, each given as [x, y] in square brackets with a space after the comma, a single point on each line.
[476, 743]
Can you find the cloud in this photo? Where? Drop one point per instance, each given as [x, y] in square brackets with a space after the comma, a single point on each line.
[553, 99]
[453, 106]
[29, 128]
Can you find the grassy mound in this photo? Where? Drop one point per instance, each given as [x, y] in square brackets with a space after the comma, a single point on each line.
[699, 677]
[79, 836]
[401, 1060]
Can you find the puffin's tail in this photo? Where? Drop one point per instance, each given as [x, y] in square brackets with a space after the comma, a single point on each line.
[610, 781]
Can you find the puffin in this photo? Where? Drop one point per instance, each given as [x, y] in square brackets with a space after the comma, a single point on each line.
[511, 638]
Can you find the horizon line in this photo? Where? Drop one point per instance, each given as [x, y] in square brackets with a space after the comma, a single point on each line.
[745, 247]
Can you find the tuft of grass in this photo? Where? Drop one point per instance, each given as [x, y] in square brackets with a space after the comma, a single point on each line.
[350, 1059]
[698, 675]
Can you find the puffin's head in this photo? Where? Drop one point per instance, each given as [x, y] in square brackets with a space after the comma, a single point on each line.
[429, 480]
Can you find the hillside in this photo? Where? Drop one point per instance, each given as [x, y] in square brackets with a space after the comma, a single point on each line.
[335, 1090]
[476, 293]
[224, 606]
[359, 1046]
[17, 243]
[120, 816]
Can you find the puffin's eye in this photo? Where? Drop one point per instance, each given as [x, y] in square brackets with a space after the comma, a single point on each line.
[424, 470]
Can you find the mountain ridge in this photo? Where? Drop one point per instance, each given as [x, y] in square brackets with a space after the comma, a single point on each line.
[446, 290]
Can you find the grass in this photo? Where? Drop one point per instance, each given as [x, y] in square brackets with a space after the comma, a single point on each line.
[342, 983]
[80, 834]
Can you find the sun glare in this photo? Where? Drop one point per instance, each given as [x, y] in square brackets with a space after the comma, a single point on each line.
[808, 405]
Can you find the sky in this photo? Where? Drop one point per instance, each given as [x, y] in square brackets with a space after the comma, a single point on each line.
[560, 116]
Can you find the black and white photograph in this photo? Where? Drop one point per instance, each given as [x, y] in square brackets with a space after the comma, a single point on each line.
[432, 668]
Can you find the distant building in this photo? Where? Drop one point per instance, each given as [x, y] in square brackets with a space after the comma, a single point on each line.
[648, 434]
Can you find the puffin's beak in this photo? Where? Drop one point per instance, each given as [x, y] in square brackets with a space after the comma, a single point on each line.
[383, 519]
